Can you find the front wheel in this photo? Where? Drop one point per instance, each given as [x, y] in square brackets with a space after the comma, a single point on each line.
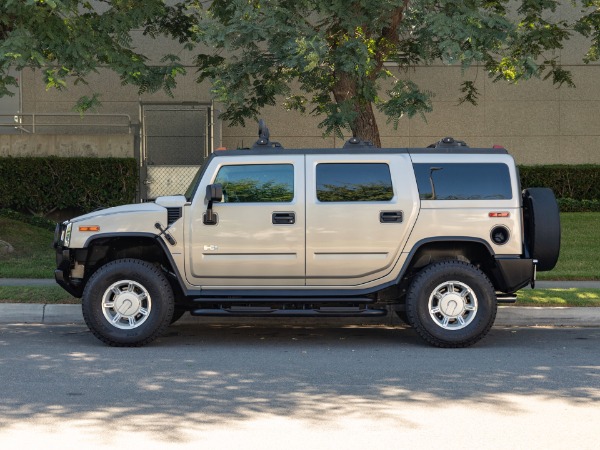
[127, 303]
[451, 304]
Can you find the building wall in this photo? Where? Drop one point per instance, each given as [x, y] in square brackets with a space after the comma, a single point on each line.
[67, 145]
[537, 122]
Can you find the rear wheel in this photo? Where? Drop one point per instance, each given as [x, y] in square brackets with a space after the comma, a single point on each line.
[451, 304]
[128, 303]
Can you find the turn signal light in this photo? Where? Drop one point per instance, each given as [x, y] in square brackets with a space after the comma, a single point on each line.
[500, 214]
[89, 228]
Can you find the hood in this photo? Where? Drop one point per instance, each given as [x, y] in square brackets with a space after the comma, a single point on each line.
[159, 205]
[123, 209]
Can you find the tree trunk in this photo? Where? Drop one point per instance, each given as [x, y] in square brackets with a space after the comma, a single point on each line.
[364, 126]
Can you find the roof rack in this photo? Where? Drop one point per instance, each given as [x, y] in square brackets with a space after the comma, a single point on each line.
[448, 142]
[263, 137]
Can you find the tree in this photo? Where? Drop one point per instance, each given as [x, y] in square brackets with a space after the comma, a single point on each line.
[69, 39]
[338, 59]
[334, 57]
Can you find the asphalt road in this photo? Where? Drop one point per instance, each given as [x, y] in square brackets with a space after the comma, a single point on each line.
[253, 387]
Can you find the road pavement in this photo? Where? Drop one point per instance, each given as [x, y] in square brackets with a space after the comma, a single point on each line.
[298, 388]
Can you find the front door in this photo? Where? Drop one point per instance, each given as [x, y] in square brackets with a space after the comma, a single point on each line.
[258, 238]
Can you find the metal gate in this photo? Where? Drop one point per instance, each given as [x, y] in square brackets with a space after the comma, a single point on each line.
[176, 139]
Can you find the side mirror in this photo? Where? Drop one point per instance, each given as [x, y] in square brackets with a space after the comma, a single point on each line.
[214, 193]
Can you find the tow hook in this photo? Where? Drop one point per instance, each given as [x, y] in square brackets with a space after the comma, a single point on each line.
[535, 262]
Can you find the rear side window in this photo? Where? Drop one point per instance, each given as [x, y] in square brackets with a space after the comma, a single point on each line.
[257, 183]
[354, 182]
[468, 181]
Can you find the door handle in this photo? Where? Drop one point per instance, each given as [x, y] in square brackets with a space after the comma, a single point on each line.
[284, 218]
[390, 216]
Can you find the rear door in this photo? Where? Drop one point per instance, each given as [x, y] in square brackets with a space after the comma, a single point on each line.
[359, 214]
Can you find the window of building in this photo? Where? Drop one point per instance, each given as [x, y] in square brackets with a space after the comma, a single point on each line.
[354, 182]
[254, 183]
[469, 181]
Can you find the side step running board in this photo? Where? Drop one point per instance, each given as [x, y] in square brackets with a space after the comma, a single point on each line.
[259, 311]
[506, 298]
[281, 300]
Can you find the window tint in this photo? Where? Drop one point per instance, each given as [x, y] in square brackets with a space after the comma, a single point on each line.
[257, 183]
[471, 181]
[354, 182]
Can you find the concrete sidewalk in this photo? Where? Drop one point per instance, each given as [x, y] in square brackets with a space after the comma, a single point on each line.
[507, 315]
[11, 313]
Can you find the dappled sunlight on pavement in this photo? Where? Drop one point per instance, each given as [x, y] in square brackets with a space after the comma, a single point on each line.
[243, 387]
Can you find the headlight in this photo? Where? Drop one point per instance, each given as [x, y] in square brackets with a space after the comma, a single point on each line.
[67, 236]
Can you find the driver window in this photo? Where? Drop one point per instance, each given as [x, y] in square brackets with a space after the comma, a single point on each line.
[257, 183]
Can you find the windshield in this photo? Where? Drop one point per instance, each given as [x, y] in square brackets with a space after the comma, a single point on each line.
[189, 193]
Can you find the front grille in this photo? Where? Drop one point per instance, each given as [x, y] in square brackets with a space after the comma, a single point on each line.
[173, 214]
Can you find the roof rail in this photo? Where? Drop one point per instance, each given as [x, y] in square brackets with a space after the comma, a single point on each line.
[263, 137]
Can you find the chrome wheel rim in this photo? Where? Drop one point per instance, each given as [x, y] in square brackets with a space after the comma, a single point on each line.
[126, 304]
[452, 305]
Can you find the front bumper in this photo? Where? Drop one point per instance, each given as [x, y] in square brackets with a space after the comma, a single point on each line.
[62, 273]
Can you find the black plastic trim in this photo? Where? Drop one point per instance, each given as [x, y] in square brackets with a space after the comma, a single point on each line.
[513, 274]
[359, 150]
[95, 237]
[289, 313]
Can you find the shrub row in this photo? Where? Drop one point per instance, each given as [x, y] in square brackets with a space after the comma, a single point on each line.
[580, 182]
[42, 185]
[572, 205]
[36, 221]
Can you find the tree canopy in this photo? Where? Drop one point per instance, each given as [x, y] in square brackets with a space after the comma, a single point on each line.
[339, 59]
[69, 39]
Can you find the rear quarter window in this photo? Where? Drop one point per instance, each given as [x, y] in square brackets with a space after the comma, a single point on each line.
[463, 181]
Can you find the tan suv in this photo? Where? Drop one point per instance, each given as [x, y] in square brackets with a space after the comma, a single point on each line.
[438, 235]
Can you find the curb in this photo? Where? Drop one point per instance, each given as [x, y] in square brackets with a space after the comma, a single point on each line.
[16, 313]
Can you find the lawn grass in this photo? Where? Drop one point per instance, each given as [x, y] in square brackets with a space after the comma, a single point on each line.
[35, 294]
[579, 250]
[33, 256]
[558, 297]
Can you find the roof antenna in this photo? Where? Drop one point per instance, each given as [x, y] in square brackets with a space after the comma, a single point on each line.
[263, 137]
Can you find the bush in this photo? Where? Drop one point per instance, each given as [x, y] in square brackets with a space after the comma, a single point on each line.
[572, 205]
[42, 185]
[40, 222]
[580, 182]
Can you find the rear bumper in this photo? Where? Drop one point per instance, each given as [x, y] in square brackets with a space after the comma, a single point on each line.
[512, 274]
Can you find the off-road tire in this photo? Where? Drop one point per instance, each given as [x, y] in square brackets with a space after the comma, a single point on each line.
[148, 288]
[468, 282]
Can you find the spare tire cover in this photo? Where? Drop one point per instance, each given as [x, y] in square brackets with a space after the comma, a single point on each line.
[542, 226]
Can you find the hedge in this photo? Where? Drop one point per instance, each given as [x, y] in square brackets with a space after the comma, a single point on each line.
[568, 182]
[41, 185]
